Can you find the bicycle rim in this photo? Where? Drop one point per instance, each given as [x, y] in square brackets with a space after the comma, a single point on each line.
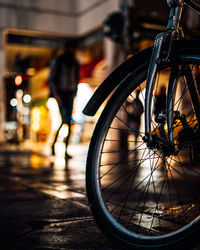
[141, 195]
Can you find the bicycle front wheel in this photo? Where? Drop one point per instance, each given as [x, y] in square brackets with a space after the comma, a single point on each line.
[142, 195]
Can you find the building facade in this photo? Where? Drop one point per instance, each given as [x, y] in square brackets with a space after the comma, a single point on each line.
[60, 18]
[45, 23]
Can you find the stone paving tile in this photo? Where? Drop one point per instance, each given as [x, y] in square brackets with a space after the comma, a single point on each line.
[45, 207]
[72, 234]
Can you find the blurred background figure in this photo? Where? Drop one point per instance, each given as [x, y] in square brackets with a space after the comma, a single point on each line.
[63, 80]
[135, 110]
[160, 103]
[160, 109]
[120, 29]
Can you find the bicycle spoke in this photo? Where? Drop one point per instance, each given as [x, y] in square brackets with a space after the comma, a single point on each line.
[150, 189]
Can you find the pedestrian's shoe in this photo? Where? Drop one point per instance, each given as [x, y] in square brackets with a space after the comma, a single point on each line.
[67, 156]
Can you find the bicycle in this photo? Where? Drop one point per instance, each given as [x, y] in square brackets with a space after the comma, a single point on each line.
[145, 193]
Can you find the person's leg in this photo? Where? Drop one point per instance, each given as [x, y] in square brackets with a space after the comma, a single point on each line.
[67, 141]
[68, 111]
[55, 140]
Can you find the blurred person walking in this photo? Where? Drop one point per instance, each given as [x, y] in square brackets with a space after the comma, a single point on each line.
[135, 110]
[63, 81]
[160, 110]
[160, 103]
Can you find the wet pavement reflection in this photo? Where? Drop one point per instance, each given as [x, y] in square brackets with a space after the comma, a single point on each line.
[43, 202]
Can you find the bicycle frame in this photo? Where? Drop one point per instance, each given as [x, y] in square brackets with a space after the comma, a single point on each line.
[114, 80]
[162, 55]
[144, 191]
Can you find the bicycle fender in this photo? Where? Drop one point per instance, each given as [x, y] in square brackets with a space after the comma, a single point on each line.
[132, 65]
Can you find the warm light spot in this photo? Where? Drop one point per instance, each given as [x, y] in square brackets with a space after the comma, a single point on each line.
[36, 161]
[59, 163]
[60, 149]
[35, 119]
[18, 80]
[63, 132]
[54, 113]
[30, 71]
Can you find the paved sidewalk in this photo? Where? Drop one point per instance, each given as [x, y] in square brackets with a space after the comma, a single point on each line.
[43, 203]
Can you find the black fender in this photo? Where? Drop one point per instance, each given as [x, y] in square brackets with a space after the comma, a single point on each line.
[132, 65]
[188, 50]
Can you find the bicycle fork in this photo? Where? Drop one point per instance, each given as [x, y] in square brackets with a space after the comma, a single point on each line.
[161, 55]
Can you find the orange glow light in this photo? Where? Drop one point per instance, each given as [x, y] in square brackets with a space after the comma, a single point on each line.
[18, 80]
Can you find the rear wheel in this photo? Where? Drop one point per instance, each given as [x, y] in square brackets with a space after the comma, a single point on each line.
[146, 195]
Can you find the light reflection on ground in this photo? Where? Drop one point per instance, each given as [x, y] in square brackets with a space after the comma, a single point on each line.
[36, 161]
[51, 175]
[59, 163]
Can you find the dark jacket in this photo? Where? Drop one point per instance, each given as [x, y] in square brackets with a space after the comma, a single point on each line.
[64, 75]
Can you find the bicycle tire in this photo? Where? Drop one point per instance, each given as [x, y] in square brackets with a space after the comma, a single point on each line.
[156, 225]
